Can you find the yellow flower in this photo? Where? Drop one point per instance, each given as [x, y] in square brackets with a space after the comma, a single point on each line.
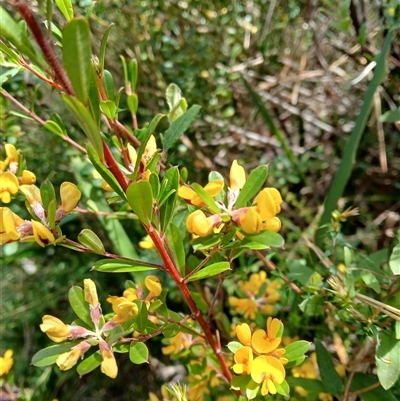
[6, 362]
[147, 243]
[251, 222]
[69, 359]
[237, 176]
[213, 188]
[70, 196]
[28, 177]
[11, 152]
[244, 360]
[150, 150]
[266, 342]
[268, 202]
[55, 329]
[43, 236]
[243, 333]
[124, 309]
[32, 194]
[175, 345]
[130, 294]
[90, 292]
[109, 364]
[8, 226]
[247, 306]
[197, 223]
[325, 397]
[8, 186]
[153, 284]
[267, 371]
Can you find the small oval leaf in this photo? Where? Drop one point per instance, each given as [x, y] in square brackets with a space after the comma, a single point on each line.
[89, 239]
[138, 353]
[209, 271]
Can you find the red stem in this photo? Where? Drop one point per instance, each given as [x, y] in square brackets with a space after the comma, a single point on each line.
[174, 273]
[113, 166]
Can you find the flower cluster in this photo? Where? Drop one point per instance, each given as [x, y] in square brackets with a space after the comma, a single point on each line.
[40, 228]
[6, 362]
[12, 173]
[258, 356]
[124, 310]
[259, 294]
[261, 215]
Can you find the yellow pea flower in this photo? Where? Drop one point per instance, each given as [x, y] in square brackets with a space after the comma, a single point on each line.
[251, 222]
[272, 225]
[147, 243]
[247, 306]
[267, 371]
[244, 360]
[243, 333]
[175, 345]
[268, 202]
[43, 236]
[109, 364]
[11, 152]
[69, 359]
[150, 149]
[28, 177]
[130, 294]
[8, 186]
[32, 194]
[90, 292]
[237, 176]
[70, 196]
[6, 362]
[266, 342]
[213, 188]
[9, 222]
[197, 223]
[56, 330]
[153, 284]
[124, 309]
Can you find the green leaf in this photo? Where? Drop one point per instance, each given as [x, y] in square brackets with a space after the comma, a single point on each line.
[330, 378]
[133, 74]
[233, 346]
[51, 214]
[86, 122]
[108, 83]
[252, 186]
[206, 242]
[240, 382]
[89, 239]
[171, 330]
[138, 353]
[78, 304]
[109, 108]
[89, 364]
[179, 109]
[168, 196]
[47, 193]
[179, 126]
[310, 385]
[267, 238]
[252, 389]
[349, 156]
[65, 6]
[49, 355]
[16, 34]
[296, 350]
[283, 388]
[122, 266]
[362, 381]
[173, 95]
[207, 199]
[9, 74]
[209, 271]
[371, 281]
[391, 116]
[104, 172]
[177, 246]
[141, 318]
[103, 46]
[140, 199]
[53, 127]
[133, 103]
[394, 261]
[77, 53]
[387, 359]
[94, 99]
[313, 306]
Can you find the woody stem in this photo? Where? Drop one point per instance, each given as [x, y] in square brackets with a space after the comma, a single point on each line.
[179, 280]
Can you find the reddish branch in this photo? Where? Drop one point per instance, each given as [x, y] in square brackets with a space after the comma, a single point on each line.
[173, 272]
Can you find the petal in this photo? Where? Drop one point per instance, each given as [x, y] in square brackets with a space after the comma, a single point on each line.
[70, 196]
[251, 221]
[197, 223]
[273, 224]
[90, 292]
[11, 152]
[43, 236]
[237, 176]
[213, 188]
[262, 343]
[243, 333]
[269, 202]
[153, 284]
[186, 192]
[273, 327]
[8, 186]
[28, 177]
[8, 229]
[132, 154]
